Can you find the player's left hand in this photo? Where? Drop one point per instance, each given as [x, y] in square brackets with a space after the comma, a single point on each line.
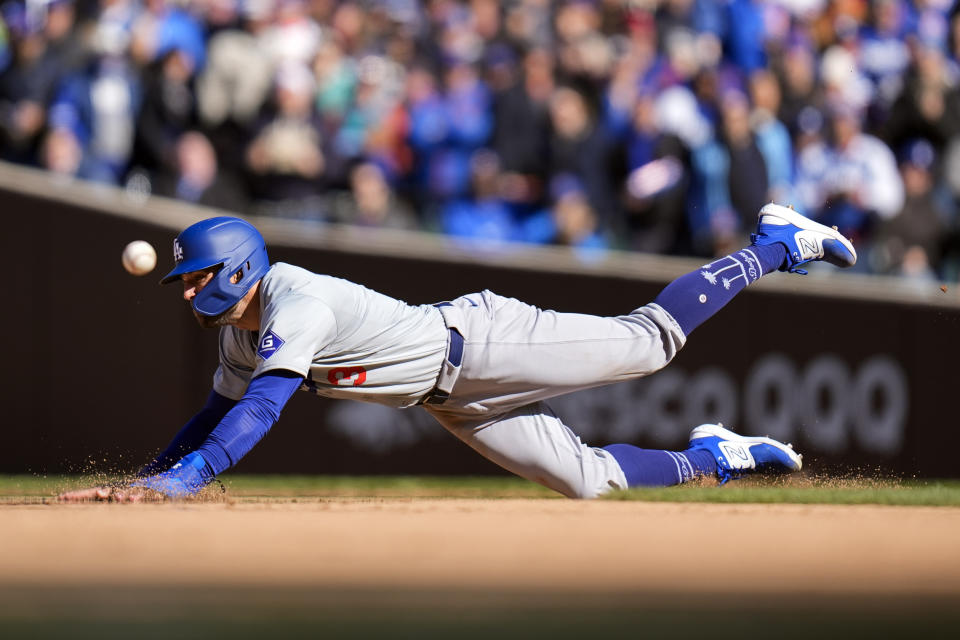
[112, 494]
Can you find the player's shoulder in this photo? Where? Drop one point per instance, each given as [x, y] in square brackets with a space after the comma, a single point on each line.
[284, 280]
[281, 273]
[290, 291]
[288, 276]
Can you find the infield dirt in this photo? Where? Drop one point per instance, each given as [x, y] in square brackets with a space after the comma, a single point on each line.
[330, 556]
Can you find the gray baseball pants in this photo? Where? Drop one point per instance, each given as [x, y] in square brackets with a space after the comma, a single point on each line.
[516, 356]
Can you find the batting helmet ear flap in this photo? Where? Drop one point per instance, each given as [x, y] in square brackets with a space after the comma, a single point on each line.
[231, 242]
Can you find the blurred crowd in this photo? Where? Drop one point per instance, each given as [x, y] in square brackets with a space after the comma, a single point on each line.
[649, 125]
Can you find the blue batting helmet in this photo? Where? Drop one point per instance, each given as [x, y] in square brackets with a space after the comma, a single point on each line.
[229, 243]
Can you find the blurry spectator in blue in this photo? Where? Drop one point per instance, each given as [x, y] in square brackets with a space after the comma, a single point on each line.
[771, 135]
[427, 129]
[481, 215]
[580, 147]
[467, 102]
[487, 218]
[689, 35]
[287, 158]
[96, 109]
[910, 243]
[62, 155]
[197, 178]
[447, 128]
[371, 202]
[685, 14]
[928, 20]
[573, 222]
[657, 183]
[851, 180]
[884, 53]
[746, 34]
[26, 84]
[162, 27]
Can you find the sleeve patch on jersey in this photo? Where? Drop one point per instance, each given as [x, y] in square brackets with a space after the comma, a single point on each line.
[269, 344]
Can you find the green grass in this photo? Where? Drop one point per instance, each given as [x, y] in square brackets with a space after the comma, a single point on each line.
[383, 487]
[252, 487]
[939, 493]
[788, 490]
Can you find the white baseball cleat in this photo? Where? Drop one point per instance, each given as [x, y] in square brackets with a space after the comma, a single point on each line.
[738, 455]
[804, 239]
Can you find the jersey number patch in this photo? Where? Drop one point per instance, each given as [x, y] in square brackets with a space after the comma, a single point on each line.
[343, 375]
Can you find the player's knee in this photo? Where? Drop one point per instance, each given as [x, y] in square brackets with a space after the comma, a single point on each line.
[589, 492]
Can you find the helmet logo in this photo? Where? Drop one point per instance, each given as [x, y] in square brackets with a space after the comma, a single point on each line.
[177, 250]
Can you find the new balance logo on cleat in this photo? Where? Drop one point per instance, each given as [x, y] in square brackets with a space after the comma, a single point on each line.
[737, 455]
[808, 247]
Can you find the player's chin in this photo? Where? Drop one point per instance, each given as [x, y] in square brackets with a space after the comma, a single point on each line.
[214, 322]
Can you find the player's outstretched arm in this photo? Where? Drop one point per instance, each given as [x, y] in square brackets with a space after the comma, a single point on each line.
[192, 435]
[243, 427]
[240, 429]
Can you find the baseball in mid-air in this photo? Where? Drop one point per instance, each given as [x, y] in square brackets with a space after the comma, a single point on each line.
[139, 257]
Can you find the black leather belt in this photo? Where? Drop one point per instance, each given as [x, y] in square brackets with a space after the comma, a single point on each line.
[455, 357]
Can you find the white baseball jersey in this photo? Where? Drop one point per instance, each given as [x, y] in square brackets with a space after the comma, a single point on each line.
[346, 340]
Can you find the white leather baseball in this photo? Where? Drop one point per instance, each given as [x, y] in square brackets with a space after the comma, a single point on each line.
[139, 257]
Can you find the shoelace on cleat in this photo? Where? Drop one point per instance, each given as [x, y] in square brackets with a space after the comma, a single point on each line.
[723, 476]
[790, 269]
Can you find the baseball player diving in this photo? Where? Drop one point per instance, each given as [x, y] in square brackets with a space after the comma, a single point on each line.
[483, 365]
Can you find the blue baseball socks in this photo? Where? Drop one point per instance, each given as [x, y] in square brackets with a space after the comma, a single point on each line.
[696, 296]
[691, 299]
[655, 468]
